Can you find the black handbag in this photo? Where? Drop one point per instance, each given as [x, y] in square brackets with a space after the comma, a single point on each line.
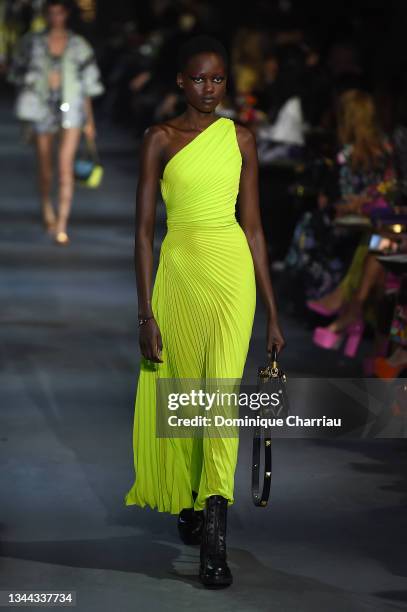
[272, 377]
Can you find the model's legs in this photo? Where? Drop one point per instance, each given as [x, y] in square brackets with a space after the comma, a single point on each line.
[67, 149]
[190, 522]
[216, 489]
[218, 472]
[44, 144]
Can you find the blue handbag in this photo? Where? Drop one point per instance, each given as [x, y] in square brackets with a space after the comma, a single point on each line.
[88, 170]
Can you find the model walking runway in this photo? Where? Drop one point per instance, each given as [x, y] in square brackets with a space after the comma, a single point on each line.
[196, 320]
[204, 302]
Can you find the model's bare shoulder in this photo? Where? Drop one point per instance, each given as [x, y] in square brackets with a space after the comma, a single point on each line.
[155, 134]
[154, 141]
[245, 137]
[246, 140]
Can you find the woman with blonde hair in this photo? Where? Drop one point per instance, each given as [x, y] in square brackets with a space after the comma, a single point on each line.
[358, 129]
[321, 252]
[247, 61]
[366, 164]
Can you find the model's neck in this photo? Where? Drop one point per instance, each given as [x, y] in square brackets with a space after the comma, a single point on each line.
[201, 120]
[58, 31]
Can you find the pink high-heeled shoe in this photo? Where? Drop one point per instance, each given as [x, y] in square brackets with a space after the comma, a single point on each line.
[321, 310]
[325, 338]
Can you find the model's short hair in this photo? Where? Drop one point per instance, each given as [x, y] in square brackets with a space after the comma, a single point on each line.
[200, 44]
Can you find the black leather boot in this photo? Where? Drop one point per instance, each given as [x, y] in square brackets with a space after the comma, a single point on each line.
[214, 570]
[190, 524]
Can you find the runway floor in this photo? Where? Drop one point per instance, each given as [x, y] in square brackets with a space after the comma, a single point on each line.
[334, 535]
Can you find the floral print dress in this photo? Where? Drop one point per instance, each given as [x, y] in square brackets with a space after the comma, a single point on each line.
[321, 252]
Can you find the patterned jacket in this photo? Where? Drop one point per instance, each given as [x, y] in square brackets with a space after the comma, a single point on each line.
[29, 72]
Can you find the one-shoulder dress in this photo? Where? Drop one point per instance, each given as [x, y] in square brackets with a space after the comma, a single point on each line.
[203, 300]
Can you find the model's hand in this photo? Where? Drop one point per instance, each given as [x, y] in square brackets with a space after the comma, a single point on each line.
[150, 341]
[274, 335]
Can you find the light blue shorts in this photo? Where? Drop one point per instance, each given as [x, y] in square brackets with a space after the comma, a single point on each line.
[52, 123]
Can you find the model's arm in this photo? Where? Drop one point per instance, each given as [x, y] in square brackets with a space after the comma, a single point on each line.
[250, 221]
[90, 77]
[146, 202]
[89, 128]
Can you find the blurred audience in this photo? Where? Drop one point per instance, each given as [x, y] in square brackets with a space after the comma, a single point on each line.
[330, 168]
[321, 251]
[283, 135]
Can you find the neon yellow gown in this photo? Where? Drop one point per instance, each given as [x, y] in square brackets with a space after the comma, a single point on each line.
[204, 301]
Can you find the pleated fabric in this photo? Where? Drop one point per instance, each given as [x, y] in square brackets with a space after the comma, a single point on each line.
[204, 301]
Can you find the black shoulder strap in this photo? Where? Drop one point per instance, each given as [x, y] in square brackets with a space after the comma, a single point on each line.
[261, 442]
[262, 438]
